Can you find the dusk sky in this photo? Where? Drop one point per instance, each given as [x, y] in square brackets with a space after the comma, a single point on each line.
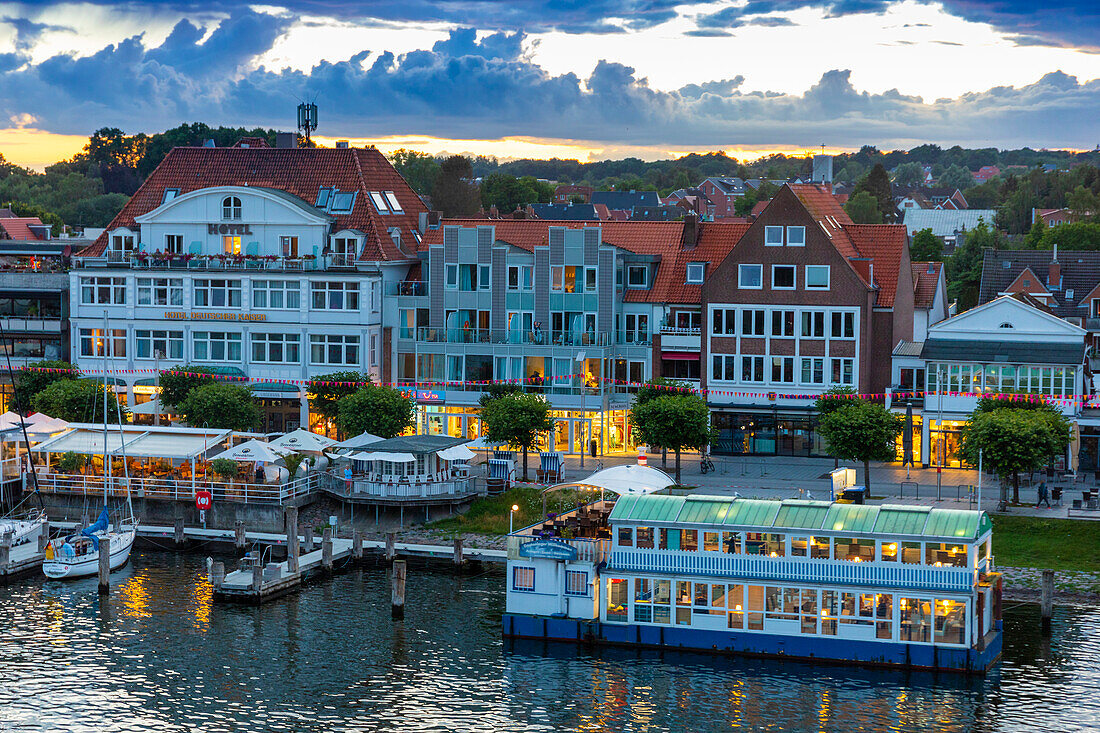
[596, 79]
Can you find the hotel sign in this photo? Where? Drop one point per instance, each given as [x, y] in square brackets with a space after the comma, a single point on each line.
[233, 229]
[195, 316]
[548, 550]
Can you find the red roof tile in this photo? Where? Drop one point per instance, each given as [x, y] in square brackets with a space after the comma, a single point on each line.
[716, 240]
[926, 276]
[886, 245]
[297, 171]
[19, 227]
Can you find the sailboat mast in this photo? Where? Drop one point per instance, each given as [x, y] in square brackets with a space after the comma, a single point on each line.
[106, 459]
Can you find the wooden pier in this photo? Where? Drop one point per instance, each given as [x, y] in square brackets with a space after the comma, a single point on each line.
[19, 561]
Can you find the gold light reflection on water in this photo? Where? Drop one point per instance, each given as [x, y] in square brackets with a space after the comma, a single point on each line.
[823, 709]
[134, 594]
[202, 599]
[738, 697]
[54, 612]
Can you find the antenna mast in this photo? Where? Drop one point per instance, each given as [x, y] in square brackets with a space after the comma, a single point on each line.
[307, 119]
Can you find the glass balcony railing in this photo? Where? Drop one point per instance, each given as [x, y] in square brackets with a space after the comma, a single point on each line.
[407, 287]
[187, 261]
[428, 334]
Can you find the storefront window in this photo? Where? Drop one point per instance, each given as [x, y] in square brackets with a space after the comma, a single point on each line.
[617, 599]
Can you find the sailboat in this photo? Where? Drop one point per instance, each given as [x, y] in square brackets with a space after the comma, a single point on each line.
[26, 528]
[77, 556]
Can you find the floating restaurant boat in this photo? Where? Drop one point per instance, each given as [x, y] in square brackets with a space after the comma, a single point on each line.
[903, 586]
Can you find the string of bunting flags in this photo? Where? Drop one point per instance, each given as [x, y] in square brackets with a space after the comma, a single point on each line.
[1067, 400]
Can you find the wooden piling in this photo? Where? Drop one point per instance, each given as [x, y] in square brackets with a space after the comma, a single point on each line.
[326, 550]
[292, 550]
[357, 544]
[457, 558]
[308, 545]
[391, 539]
[5, 550]
[104, 567]
[397, 596]
[179, 537]
[257, 579]
[1047, 603]
[240, 541]
[217, 574]
[43, 536]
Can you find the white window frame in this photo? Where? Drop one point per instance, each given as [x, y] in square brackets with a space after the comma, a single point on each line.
[828, 277]
[645, 276]
[206, 344]
[769, 231]
[794, 277]
[160, 291]
[451, 279]
[284, 291]
[173, 243]
[810, 363]
[782, 362]
[748, 324]
[846, 318]
[93, 290]
[168, 343]
[285, 344]
[842, 362]
[114, 342]
[700, 270]
[756, 369]
[742, 269]
[484, 278]
[231, 208]
[379, 202]
[347, 344]
[525, 278]
[577, 583]
[326, 289]
[394, 204]
[228, 288]
[807, 318]
[801, 234]
[373, 351]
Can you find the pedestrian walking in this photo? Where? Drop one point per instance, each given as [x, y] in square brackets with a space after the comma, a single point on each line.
[1043, 495]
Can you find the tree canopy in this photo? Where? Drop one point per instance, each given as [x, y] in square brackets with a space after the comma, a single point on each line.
[381, 411]
[454, 192]
[418, 169]
[507, 192]
[223, 406]
[518, 419]
[926, 247]
[326, 391]
[861, 431]
[77, 400]
[862, 208]
[176, 383]
[1010, 440]
[29, 382]
[877, 183]
[674, 421]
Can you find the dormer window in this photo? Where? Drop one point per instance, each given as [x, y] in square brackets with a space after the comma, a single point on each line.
[169, 194]
[379, 201]
[231, 208]
[637, 276]
[324, 194]
[1069, 294]
[342, 202]
[696, 272]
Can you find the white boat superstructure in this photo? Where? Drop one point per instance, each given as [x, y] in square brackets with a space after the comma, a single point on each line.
[25, 528]
[78, 556]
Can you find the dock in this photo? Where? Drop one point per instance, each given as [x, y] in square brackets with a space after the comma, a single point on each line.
[20, 561]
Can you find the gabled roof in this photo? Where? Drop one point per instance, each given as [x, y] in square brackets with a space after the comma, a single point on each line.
[729, 185]
[946, 222]
[299, 172]
[926, 278]
[571, 212]
[1080, 271]
[884, 244]
[19, 228]
[716, 240]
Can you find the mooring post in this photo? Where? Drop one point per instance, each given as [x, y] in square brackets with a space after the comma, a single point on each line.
[178, 531]
[217, 574]
[5, 550]
[1047, 598]
[240, 541]
[357, 544]
[458, 552]
[44, 536]
[309, 538]
[104, 566]
[397, 597]
[391, 539]
[257, 579]
[326, 550]
[292, 539]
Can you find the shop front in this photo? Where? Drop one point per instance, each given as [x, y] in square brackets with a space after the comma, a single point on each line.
[945, 442]
[772, 433]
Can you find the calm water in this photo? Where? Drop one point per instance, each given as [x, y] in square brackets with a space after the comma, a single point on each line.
[157, 656]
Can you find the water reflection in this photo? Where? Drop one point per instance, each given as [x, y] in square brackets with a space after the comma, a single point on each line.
[331, 659]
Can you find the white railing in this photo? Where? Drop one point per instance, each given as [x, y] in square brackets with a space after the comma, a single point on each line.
[588, 550]
[795, 570]
[398, 490]
[175, 489]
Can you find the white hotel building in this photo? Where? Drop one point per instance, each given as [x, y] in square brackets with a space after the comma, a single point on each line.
[262, 263]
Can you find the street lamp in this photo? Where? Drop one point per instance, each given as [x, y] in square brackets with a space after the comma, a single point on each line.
[511, 513]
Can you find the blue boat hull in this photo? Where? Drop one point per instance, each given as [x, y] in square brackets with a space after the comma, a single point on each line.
[809, 648]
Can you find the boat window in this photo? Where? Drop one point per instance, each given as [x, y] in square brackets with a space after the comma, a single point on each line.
[910, 553]
[617, 600]
[626, 537]
[731, 541]
[643, 596]
[670, 539]
[683, 603]
[916, 619]
[718, 598]
[755, 605]
[735, 599]
[884, 616]
[774, 545]
[645, 537]
[939, 554]
[791, 602]
[888, 552]
[712, 542]
[829, 612]
[950, 621]
[819, 548]
[983, 550]
[523, 579]
[701, 598]
[662, 596]
[798, 546]
[690, 540]
[854, 550]
[809, 611]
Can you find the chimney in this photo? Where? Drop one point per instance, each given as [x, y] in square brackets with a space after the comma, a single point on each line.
[434, 217]
[691, 229]
[286, 139]
[342, 144]
[931, 268]
[1054, 272]
[494, 212]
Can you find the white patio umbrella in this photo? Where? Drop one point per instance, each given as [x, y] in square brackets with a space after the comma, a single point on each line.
[304, 440]
[48, 426]
[359, 441]
[255, 450]
[152, 407]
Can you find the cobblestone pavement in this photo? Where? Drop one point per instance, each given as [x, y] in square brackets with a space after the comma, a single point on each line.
[1065, 581]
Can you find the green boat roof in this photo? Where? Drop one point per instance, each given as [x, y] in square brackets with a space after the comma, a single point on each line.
[798, 514]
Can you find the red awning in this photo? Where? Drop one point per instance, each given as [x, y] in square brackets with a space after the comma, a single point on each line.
[680, 355]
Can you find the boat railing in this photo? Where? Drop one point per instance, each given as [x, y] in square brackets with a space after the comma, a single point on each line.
[588, 550]
[176, 489]
[795, 570]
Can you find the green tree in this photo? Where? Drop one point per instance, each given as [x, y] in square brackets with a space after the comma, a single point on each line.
[877, 183]
[493, 390]
[1078, 235]
[964, 266]
[958, 177]
[1037, 233]
[518, 419]
[454, 192]
[32, 380]
[508, 192]
[222, 406]
[225, 468]
[834, 399]
[176, 383]
[326, 391]
[674, 421]
[926, 247]
[77, 400]
[418, 169]
[862, 208]
[382, 411]
[1084, 203]
[1010, 440]
[861, 431]
[909, 175]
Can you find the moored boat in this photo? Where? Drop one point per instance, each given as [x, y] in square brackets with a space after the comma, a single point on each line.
[77, 556]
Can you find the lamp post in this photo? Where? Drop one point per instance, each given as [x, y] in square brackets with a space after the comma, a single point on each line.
[511, 513]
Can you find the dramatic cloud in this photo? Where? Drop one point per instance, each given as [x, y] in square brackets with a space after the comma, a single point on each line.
[466, 88]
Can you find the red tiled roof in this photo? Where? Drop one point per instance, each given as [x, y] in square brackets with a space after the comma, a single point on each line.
[925, 282]
[885, 244]
[758, 207]
[251, 142]
[297, 171]
[20, 227]
[716, 240]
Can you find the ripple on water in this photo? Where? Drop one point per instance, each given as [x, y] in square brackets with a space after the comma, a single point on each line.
[158, 656]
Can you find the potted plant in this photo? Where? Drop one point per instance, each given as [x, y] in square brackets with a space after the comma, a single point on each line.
[71, 462]
[225, 468]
